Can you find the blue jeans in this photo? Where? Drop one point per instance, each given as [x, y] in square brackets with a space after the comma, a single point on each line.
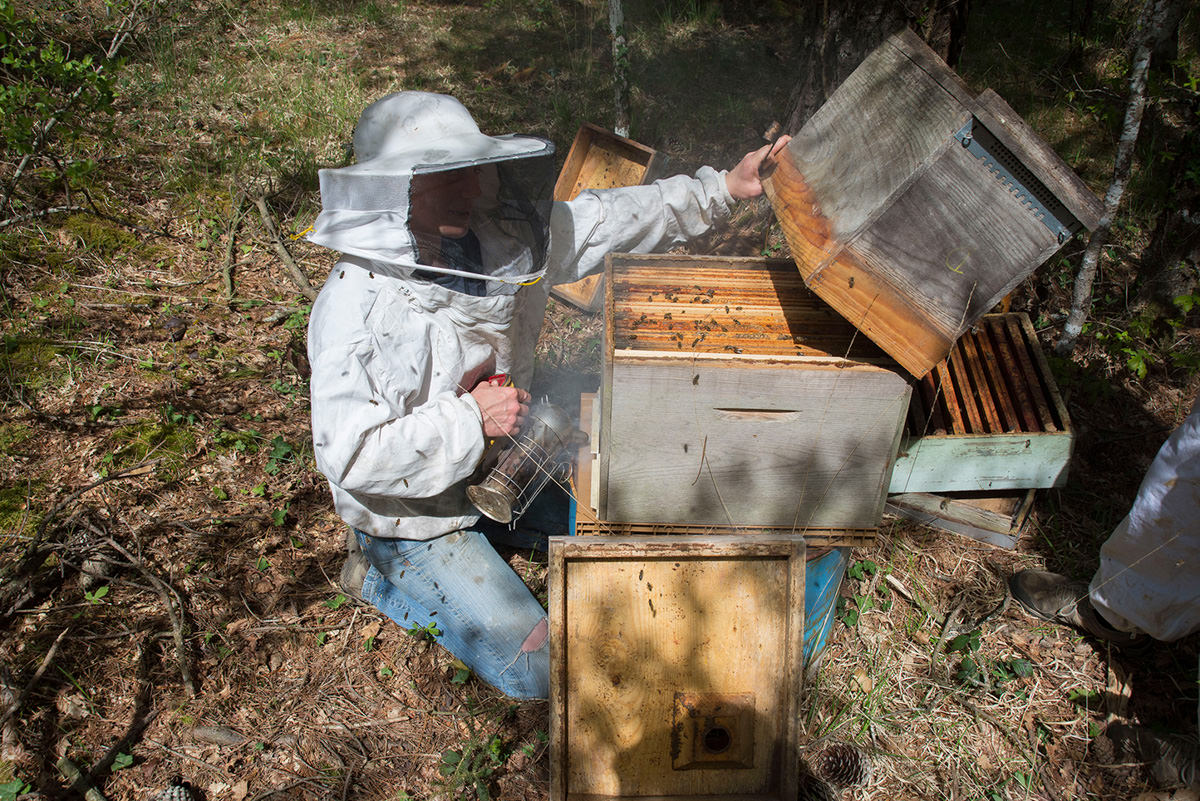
[487, 617]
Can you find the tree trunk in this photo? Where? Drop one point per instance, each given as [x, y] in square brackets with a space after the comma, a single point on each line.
[620, 54]
[836, 35]
[1151, 28]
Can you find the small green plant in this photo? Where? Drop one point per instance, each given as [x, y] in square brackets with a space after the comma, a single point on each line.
[336, 602]
[473, 765]
[281, 453]
[11, 791]
[968, 668]
[122, 761]
[97, 595]
[429, 631]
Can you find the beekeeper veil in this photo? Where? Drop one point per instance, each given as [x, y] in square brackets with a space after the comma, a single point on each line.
[431, 196]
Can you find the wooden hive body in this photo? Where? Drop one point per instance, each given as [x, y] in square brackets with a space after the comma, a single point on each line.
[675, 667]
[732, 396]
[912, 206]
[989, 417]
[600, 159]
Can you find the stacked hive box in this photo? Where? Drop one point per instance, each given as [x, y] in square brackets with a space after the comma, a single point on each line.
[740, 419]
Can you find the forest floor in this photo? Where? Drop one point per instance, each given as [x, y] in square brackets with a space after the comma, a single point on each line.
[170, 605]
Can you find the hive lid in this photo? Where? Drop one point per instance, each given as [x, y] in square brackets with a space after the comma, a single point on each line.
[912, 206]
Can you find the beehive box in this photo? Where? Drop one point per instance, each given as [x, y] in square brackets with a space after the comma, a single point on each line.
[912, 205]
[600, 159]
[732, 396]
[675, 667]
[989, 417]
[585, 516]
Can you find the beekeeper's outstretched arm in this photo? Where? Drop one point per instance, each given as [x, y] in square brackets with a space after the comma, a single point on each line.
[645, 219]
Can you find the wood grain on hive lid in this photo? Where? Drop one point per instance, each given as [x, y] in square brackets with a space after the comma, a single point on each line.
[675, 666]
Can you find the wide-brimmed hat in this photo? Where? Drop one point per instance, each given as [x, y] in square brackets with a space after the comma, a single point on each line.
[407, 133]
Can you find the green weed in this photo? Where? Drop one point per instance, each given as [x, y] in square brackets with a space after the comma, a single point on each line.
[28, 362]
[473, 765]
[429, 631]
[169, 441]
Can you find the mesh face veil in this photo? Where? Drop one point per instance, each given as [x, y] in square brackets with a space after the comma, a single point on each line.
[504, 235]
[434, 197]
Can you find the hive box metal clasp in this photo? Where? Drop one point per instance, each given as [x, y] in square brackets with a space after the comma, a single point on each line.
[1007, 169]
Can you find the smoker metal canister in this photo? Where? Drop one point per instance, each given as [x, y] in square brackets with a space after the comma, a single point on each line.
[524, 464]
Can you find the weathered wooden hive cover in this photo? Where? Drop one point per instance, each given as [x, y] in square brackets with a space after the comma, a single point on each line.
[675, 667]
[912, 205]
[601, 159]
[732, 395]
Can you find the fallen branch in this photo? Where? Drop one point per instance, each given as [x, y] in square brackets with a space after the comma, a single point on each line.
[239, 209]
[139, 469]
[298, 276]
[19, 701]
[165, 591]
[36, 215]
[79, 782]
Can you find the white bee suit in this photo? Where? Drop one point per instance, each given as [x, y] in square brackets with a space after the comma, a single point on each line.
[1149, 576]
[394, 356]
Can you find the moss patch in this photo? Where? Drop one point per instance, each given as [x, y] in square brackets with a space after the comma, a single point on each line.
[17, 516]
[169, 442]
[100, 237]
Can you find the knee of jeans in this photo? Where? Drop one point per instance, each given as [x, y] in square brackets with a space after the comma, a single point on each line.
[537, 637]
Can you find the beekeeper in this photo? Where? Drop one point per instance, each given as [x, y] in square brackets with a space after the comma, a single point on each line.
[1146, 584]
[450, 242]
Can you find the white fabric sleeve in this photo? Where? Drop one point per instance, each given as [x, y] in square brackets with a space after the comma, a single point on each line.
[369, 447]
[634, 219]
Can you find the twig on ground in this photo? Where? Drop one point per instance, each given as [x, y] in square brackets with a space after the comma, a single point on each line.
[219, 771]
[298, 276]
[15, 706]
[124, 745]
[285, 788]
[137, 470]
[913, 599]
[79, 782]
[37, 215]
[165, 591]
[239, 209]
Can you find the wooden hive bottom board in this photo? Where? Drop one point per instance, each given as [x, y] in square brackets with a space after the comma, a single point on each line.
[675, 667]
[586, 481]
[989, 417]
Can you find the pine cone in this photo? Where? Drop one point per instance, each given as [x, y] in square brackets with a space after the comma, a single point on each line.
[842, 765]
[813, 789]
[177, 791]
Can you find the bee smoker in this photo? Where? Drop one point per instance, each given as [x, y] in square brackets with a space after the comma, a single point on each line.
[516, 468]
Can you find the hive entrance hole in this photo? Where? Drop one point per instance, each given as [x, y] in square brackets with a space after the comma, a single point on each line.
[716, 739]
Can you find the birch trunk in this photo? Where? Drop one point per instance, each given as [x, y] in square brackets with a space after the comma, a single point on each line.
[1152, 27]
[620, 54]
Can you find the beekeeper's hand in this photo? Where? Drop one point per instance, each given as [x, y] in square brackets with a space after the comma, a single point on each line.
[742, 181]
[504, 408]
